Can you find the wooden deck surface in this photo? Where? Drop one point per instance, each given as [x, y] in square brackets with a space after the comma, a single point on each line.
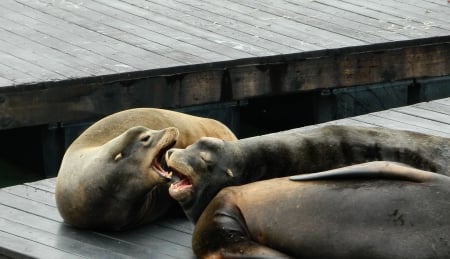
[66, 61]
[52, 40]
[31, 226]
[57, 40]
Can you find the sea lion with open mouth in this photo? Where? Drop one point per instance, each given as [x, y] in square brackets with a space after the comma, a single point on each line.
[201, 170]
[107, 177]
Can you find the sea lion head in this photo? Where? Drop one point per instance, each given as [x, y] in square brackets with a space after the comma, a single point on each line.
[114, 185]
[199, 172]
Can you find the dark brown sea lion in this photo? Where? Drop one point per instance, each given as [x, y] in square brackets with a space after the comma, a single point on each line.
[374, 210]
[204, 168]
[107, 180]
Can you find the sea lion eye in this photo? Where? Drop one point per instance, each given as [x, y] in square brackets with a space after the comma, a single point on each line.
[207, 159]
[205, 156]
[145, 138]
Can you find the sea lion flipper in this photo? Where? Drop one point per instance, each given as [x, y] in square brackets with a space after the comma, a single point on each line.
[370, 170]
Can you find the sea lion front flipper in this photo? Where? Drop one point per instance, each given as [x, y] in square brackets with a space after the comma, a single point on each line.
[370, 170]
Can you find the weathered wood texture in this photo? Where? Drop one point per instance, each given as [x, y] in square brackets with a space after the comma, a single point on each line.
[30, 225]
[64, 61]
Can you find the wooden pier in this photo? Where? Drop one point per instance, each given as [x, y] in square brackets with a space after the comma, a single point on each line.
[30, 225]
[65, 61]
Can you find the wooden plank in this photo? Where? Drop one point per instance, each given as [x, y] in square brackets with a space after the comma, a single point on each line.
[155, 238]
[389, 7]
[5, 81]
[232, 40]
[209, 41]
[434, 106]
[425, 113]
[34, 54]
[38, 72]
[271, 45]
[387, 22]
[116, 244]
[427, 6]
[318, 15]
[178, 223]
[110, 23]
[229, 35]
[13, 246]
[416, 121]
[343, 17]
[33, 194]
[29, 206]
[79, 59]
[445, 101]
[13, 74]
[82, 39]
[438, 2]
[82, 31]
[415, 12]
[181, 45]
[270, 22]
[161, 235]
[45, 185]
[141, 237]
[394, 124]
[64, 60]
[56, 242]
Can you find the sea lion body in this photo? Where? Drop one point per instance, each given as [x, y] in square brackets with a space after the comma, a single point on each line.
[106, 181]
[210, 164]
[376, 210]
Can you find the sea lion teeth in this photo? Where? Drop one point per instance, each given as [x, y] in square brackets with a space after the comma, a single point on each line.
[117, 157]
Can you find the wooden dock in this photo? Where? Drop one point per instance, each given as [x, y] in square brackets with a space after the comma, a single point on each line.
[65, 61]
[30, 225]
[70, 61]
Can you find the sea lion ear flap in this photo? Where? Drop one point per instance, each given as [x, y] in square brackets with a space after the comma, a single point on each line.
[229, 172]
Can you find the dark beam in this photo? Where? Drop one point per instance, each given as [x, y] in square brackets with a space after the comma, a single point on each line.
[86, 100]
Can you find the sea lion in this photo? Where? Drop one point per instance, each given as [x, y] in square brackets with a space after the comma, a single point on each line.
[374, 210]
[106, 178]
[202, 169]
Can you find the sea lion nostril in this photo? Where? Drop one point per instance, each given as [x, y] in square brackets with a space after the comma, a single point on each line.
[169, 153]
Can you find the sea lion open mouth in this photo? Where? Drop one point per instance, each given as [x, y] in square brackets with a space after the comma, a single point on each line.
[181, 187]
[159, 162]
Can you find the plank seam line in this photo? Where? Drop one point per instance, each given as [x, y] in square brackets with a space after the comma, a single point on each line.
[421, 116]
[430, 128]
[38, 242]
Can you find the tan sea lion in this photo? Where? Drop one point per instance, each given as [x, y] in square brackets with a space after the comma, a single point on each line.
[374, 210]
[202, 169]
[107, 180]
